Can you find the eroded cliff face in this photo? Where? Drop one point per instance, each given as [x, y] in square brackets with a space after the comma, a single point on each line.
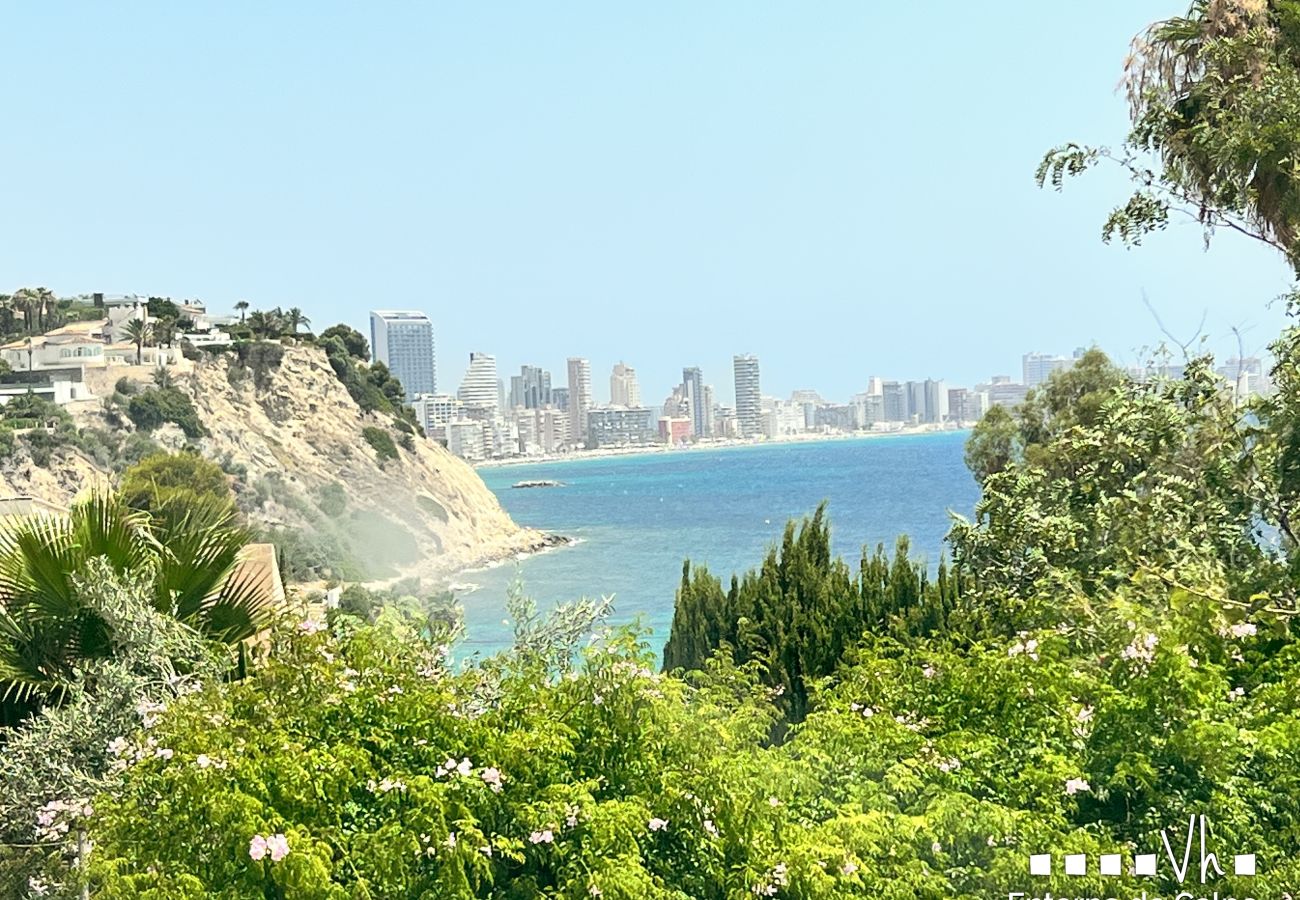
[294, 437]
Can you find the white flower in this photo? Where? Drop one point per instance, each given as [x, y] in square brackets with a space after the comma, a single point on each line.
[203, 760]
[1085, 714]
[928, 671]
[492, 778]
[658, 824]
[593, 890]
[311, 626]
[936, 847]
[545, 836]
[118, 745]
[450, 843]
[463, 768]
[257, 847]
[1242, 630]
[163, 753]
[773, 802]
[1077, 785]
[848, 868]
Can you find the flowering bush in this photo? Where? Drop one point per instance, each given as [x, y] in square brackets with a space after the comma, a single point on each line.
[357, 764]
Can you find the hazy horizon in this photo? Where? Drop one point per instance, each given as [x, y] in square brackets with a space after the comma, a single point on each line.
[843, 192]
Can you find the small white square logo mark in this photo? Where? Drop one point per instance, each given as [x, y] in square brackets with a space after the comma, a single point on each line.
[1244, 864]
[1076, 864]
[1144, 864]
[1110, 864]
[1040, 864]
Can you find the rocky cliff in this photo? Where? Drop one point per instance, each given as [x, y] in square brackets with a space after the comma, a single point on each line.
[295, 443]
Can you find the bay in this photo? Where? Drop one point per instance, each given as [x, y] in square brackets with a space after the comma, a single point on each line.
[637, 517]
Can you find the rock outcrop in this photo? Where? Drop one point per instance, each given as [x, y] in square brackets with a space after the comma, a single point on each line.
[296, 440]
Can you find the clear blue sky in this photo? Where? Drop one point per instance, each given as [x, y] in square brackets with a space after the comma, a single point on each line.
[843, 188]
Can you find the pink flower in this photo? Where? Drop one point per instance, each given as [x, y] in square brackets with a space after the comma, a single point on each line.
[311, 626]
[278, 844]
[1077, 785]
[658, 824]
[257, 847]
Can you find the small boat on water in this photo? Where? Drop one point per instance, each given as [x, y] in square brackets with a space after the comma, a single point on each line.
[537, 484]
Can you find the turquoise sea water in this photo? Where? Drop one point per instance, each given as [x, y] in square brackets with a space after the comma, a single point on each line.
[639, 517]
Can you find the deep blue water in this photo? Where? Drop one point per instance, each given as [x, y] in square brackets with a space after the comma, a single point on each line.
[639, 517]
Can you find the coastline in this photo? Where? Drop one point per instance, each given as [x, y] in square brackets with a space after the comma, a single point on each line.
[722, 444]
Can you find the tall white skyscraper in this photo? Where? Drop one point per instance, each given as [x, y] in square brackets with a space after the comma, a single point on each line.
[749, 400]
[403, 341]
[693, 384]
[579, 398]
[624, 389]
[480, 388]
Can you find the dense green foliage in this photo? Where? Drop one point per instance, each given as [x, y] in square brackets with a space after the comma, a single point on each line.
[799, 613]
[168, 485]
[60, 760]
[371, 385]
[381, 442]
[353, 341]
[46, 628]
[154, 407]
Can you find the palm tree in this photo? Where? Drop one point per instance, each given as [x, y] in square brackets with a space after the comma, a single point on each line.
[45, 630]
[139, 332]
[266, 324]
[25, 300]
[242, 305]
[294, 318]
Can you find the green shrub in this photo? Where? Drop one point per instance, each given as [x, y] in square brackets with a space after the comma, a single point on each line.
[154, 407]
[381, 441]
[332, 499]
[259, 357]
[168, 484]
[126, 387]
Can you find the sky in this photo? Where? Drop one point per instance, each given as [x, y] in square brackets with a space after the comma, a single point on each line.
[844, 189]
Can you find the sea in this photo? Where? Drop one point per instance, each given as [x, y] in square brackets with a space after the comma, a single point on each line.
[636, 518]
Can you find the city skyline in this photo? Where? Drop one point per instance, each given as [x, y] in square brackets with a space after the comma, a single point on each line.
[754, 187]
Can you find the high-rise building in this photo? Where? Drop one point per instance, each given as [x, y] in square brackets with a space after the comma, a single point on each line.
[433, 410]
[624, 390]
[478, 390]
[936, 401]
[916, 401]
[1038, 367]
[693, 388]
[749, 399]
[531, 388]
[560, 398]
[403, 341]
[615, 426]
[709, 429]
[967, 406]
[579, 398]
[895, 401]
[1002, 391]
